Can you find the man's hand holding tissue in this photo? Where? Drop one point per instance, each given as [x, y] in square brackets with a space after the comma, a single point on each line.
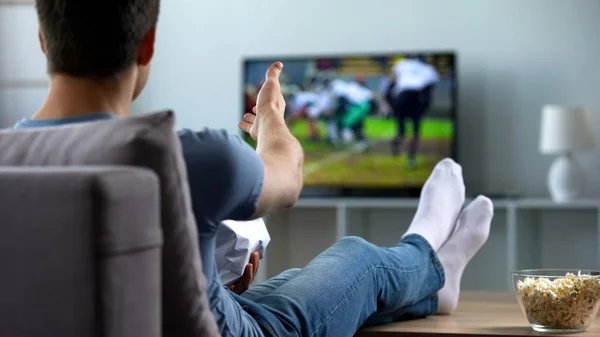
[244, 282]
[240, 246]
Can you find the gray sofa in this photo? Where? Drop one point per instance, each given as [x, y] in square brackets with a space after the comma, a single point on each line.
[97, 237]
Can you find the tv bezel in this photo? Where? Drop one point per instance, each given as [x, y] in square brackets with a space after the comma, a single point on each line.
[362, 191]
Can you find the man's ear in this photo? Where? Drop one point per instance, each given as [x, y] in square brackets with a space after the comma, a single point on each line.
[146, 50]
[42, 41]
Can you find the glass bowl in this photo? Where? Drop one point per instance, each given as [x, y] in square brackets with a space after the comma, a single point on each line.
[558, 300]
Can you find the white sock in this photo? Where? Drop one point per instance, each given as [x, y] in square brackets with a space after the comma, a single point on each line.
[441, 200]
[472, 231]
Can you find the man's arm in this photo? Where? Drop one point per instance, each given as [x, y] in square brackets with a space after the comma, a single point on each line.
[279, 150]
[283, 161]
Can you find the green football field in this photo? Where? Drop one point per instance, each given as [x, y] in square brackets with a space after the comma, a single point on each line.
[328, 165]
[376, 128]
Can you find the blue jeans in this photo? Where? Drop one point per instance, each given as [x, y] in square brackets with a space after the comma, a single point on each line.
[348, 286]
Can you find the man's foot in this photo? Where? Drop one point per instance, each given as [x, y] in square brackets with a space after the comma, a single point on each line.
[411, 163]
[471, 233]
[441, 200]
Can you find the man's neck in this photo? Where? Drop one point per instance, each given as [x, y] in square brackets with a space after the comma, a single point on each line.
[72, 97]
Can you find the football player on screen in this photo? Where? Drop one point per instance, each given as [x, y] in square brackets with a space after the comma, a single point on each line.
[409, 95]
[352, 105]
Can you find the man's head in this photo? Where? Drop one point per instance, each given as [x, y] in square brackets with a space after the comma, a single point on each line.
[99, 39]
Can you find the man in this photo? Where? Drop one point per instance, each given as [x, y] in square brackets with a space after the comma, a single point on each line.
[98, 54]
[409, 96]
[352, 105]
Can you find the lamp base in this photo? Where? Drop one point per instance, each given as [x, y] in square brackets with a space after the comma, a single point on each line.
[565, 179]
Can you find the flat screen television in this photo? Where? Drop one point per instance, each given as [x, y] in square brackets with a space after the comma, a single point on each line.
[356, 118]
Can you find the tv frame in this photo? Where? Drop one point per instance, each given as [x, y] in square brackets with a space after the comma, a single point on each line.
[361, 191]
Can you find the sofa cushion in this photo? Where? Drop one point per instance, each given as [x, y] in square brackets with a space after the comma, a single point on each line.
[150, 142]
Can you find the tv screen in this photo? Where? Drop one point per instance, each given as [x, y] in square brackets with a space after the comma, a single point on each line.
[370, 125]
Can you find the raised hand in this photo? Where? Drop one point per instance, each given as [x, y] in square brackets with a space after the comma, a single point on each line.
[269, 103]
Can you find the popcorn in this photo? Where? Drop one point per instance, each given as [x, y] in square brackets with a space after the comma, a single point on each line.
[569, 302]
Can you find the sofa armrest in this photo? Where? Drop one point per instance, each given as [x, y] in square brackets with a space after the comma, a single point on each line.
[81, 251]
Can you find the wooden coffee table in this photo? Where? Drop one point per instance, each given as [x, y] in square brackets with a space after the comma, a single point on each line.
[478, 314]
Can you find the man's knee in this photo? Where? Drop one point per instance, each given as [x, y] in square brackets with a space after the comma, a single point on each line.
[355, 244]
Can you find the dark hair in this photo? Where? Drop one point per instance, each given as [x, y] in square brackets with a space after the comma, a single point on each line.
[94, 38]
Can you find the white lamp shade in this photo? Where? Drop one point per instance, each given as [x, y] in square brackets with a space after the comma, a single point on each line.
[565, 129]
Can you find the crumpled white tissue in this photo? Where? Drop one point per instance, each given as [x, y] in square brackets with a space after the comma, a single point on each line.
[236, 240]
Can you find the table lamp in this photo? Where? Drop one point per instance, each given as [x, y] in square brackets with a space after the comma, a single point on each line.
[565, 130]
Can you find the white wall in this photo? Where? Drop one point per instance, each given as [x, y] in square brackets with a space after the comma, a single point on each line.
[23, 82]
